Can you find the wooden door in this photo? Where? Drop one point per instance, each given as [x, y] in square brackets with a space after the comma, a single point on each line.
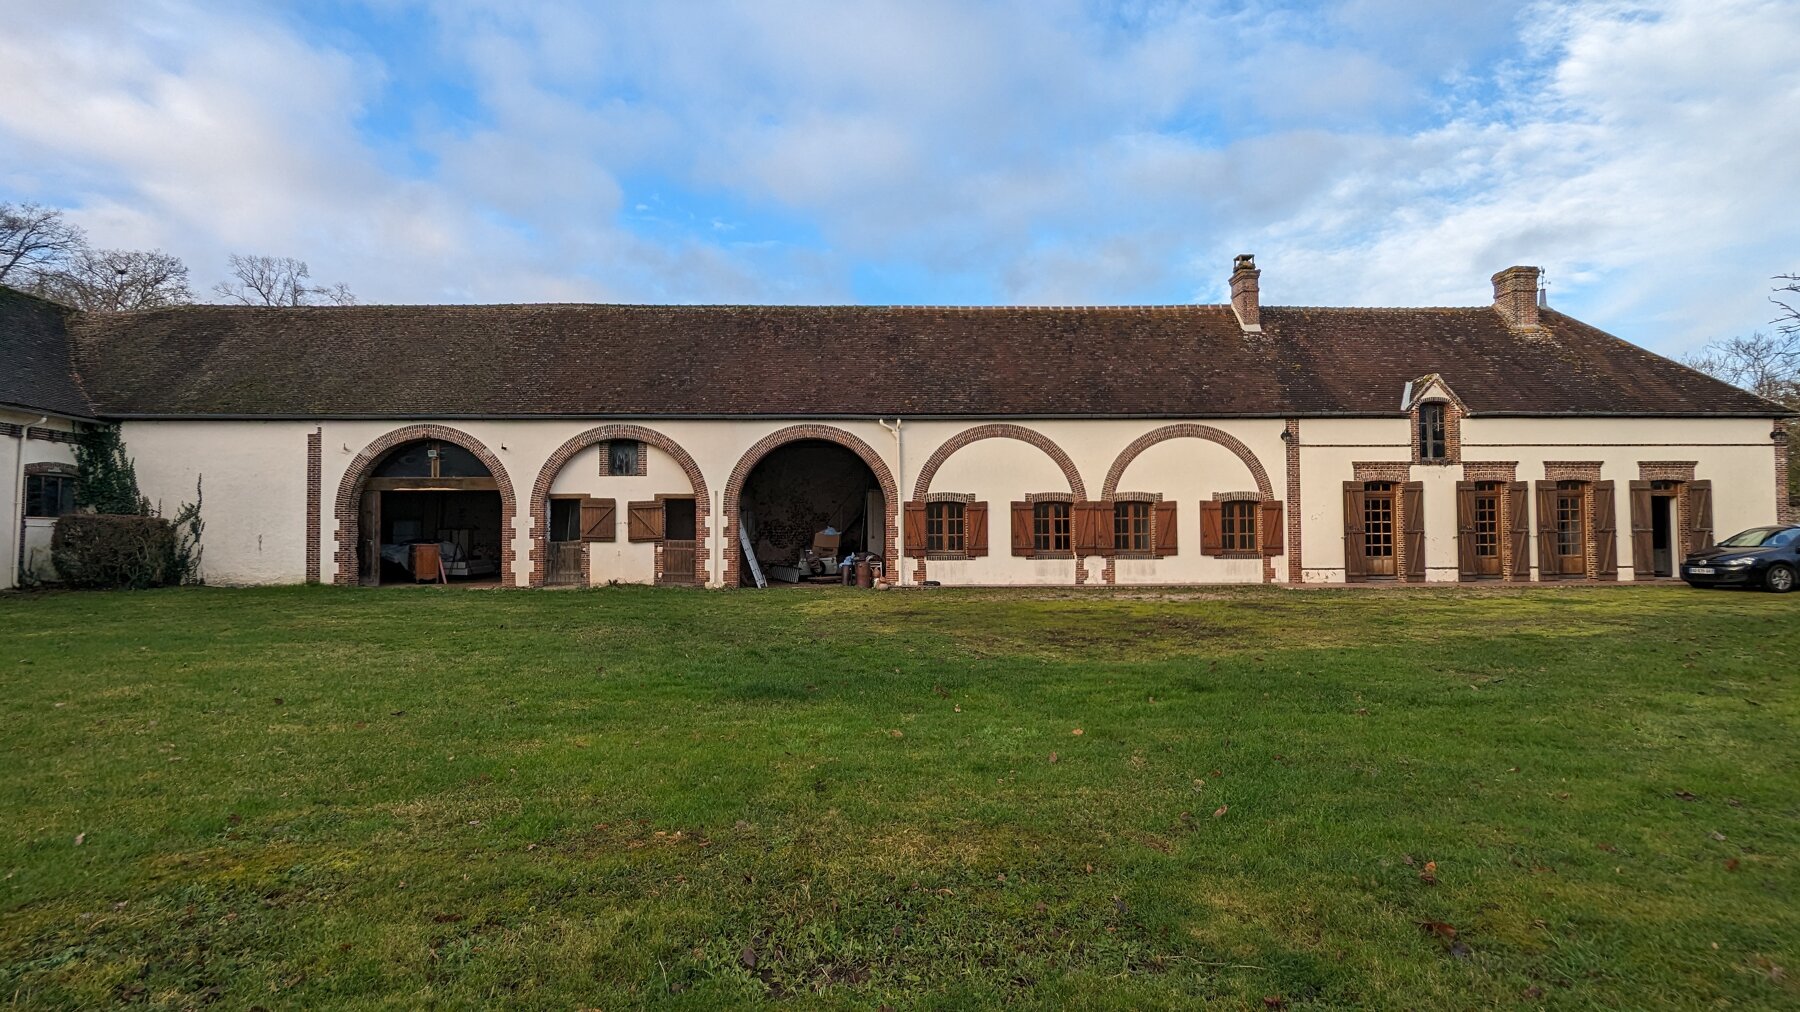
[1570, 548]
[1378, 534]
[678, 540]
[1485, 507]
[369, 530]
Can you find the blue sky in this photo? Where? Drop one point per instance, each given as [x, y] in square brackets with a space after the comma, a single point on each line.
[1372, 152]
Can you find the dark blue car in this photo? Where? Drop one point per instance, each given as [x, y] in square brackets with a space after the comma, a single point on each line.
[1766, 557]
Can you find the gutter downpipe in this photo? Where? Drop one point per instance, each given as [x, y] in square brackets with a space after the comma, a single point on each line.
[15, 556]
[899, 490]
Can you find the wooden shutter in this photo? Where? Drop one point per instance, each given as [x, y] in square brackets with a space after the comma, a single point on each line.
[1643, 533]
[1518, 528]
[1162, 528]
[1023, 544]
[975, 529]
[914, 516]
[1092, 523]
[1606, 532]
[1700, 522]
[1546, 530]
[1412, 504]
[1269, 529]
[1212, 528]
[1355, 565]
[645, 521]
[1466, 566]
[599, 520]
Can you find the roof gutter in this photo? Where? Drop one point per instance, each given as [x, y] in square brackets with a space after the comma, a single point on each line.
[389, 416]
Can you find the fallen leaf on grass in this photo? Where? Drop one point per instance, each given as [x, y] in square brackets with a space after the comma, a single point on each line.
[1053, 757]
[1077, 731]
[748, 957]
[1460, 951]
[1429, 875]
[896, 733]
[1731, 864]
[1274, 1001]
[1718, 835]
[1438, 928]
[80, 838]
[1687, 796]
[1221, 810]
[942, 692]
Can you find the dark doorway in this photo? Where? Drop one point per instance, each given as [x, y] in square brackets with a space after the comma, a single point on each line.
[1662, 534]
[679, 544]
[430, 511]
[798, 492]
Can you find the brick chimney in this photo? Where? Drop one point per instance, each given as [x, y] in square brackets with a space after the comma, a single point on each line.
[1244, 299]
[1516, 296]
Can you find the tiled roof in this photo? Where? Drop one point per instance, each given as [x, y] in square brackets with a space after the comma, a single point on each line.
[34, 357]
[835, 361]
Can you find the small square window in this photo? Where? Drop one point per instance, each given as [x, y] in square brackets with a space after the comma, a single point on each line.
[622, 456]
[1131, 526]
[944, 527]
[1050, 527]
[1237, 526]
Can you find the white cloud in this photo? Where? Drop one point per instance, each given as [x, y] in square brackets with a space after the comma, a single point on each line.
[1035, 150]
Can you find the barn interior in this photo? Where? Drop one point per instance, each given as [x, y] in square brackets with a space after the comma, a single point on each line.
[797, 493]
[431, 512]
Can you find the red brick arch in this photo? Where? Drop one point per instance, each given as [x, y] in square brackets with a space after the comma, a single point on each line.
[794, 433]
[1188, 431]
[922, 484]
[350, 492]
[540, 493]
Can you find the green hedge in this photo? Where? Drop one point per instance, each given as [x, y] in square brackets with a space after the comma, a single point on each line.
[104, 550]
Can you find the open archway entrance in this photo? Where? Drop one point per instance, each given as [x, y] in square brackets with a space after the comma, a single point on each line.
[806, 505]
[430, 511]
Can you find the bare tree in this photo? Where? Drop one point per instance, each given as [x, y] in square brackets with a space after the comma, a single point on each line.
[34, 240]
[110, 280]
[1764, 364]
[278, 281]
[1788, 320]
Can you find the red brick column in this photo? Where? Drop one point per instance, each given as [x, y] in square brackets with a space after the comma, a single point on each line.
[314, 505]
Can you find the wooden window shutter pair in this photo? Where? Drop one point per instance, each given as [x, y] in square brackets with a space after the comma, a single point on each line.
[1356, 567]
[1412, 509]
[1606, 532]
[1269, 530]
[1700, 518]
[645, 521]
[1518, 528]
[599, 520]
[1466, 564]
[975, 528]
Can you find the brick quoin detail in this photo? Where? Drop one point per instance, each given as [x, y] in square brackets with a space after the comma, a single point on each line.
[540, 496]
[1292, 519]
[794, 433]
[314, 504]
[922, 484]
[1785, 510]
[350, 491]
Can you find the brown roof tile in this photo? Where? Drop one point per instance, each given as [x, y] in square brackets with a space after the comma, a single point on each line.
[821, 361]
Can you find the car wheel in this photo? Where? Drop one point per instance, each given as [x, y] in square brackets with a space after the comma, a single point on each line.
[1780, 578]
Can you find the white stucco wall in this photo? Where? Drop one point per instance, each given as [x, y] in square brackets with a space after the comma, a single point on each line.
[255, 482]
[27, 545]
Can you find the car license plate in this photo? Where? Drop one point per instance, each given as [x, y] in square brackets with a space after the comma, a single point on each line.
[1701, 570]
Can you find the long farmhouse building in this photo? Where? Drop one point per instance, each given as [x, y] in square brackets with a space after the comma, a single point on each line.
[582, 444]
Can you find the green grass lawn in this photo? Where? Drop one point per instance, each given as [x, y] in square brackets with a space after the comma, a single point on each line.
[315, 797]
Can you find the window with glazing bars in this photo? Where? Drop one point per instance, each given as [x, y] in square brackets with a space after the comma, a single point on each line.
[1487, 519]
[1378, 520]
[1433, 445]
[944, 530]
[1131, 526]
[1237, 526]
[1050, 527]
[1569, 521]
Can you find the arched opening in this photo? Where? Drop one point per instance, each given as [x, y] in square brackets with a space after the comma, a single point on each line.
[806, 506]
[431, 511]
